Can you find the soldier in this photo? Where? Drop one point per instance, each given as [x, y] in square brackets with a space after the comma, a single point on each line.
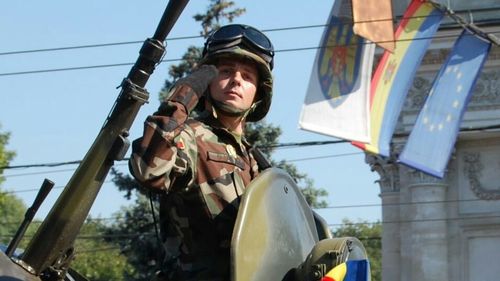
[202, 165]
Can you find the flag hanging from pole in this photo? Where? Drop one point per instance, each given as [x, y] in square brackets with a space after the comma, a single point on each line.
[433, 137]
[336, 102]
[373, 21]
[395, 72]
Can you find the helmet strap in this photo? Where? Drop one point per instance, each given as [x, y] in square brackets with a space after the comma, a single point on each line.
[252, 107]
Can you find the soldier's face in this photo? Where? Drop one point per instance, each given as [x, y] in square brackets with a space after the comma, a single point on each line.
[236, 84]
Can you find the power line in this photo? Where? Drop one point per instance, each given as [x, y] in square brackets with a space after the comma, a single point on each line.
[116, 236]
[399, 204]
[302, 144]
[104, 249]
[115, 218]
[276, 146]
[76, 68]
[56, 164]
[37, 173]
[126, 159]
[89, 46]
[180, 59]
[417, 220]
[99, 45]
[120, 236]
[121, 217]
[37, 189]
[122, 164]
[477, 32]
[324, 157]
[112, 236]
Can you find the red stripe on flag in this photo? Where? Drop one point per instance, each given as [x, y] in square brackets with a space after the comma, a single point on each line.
[414, 6]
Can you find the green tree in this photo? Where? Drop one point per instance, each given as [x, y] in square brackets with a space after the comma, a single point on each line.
[136, 225]
[5, 155]
[11, 207]
[98, 257]
[370, 235]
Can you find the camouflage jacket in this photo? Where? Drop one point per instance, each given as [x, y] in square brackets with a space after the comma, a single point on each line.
[202, 170]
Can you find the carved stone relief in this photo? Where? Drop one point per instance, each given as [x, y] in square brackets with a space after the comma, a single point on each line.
[418, 93]
[477, 175]
[417, 177]
[473, 168]
[486, 91]
[388, 171]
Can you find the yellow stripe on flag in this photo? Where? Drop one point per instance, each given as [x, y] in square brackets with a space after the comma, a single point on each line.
[337, 273]
[383, 87]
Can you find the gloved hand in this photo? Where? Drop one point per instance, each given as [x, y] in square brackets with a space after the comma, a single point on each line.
[190, 89]
[199, 79]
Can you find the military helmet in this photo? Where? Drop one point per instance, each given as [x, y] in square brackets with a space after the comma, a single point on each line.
[247, 42]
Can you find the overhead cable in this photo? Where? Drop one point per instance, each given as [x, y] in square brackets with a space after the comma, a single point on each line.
[275, 146]
[447, 11]
[180, 59]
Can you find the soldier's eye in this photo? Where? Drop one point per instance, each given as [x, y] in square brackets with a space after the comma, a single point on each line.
[225, 70]
[249, 77]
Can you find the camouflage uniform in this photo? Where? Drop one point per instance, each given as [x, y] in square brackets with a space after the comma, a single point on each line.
[202, 169]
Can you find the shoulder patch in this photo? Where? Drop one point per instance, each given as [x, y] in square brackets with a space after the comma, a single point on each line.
[180, 144]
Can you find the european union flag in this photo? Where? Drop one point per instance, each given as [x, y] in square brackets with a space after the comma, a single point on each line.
[433, 137]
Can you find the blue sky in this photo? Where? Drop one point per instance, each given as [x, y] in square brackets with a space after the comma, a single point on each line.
[55, 116]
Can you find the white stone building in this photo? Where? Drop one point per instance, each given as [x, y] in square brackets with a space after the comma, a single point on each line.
[447, 229]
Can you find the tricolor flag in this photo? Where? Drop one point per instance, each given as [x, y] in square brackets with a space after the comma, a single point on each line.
[395, 72]
[433, 137]
[353, 270]
[337, 103]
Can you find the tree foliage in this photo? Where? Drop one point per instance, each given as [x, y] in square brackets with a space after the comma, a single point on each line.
[370, 236]
[139, 243]
[217, 11]
[11, 207]
[5, 155]
[98, 257]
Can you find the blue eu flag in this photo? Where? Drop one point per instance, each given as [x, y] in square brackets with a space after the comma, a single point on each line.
[433, 137]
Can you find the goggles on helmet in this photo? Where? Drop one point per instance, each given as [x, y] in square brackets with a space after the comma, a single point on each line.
[241, 35]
